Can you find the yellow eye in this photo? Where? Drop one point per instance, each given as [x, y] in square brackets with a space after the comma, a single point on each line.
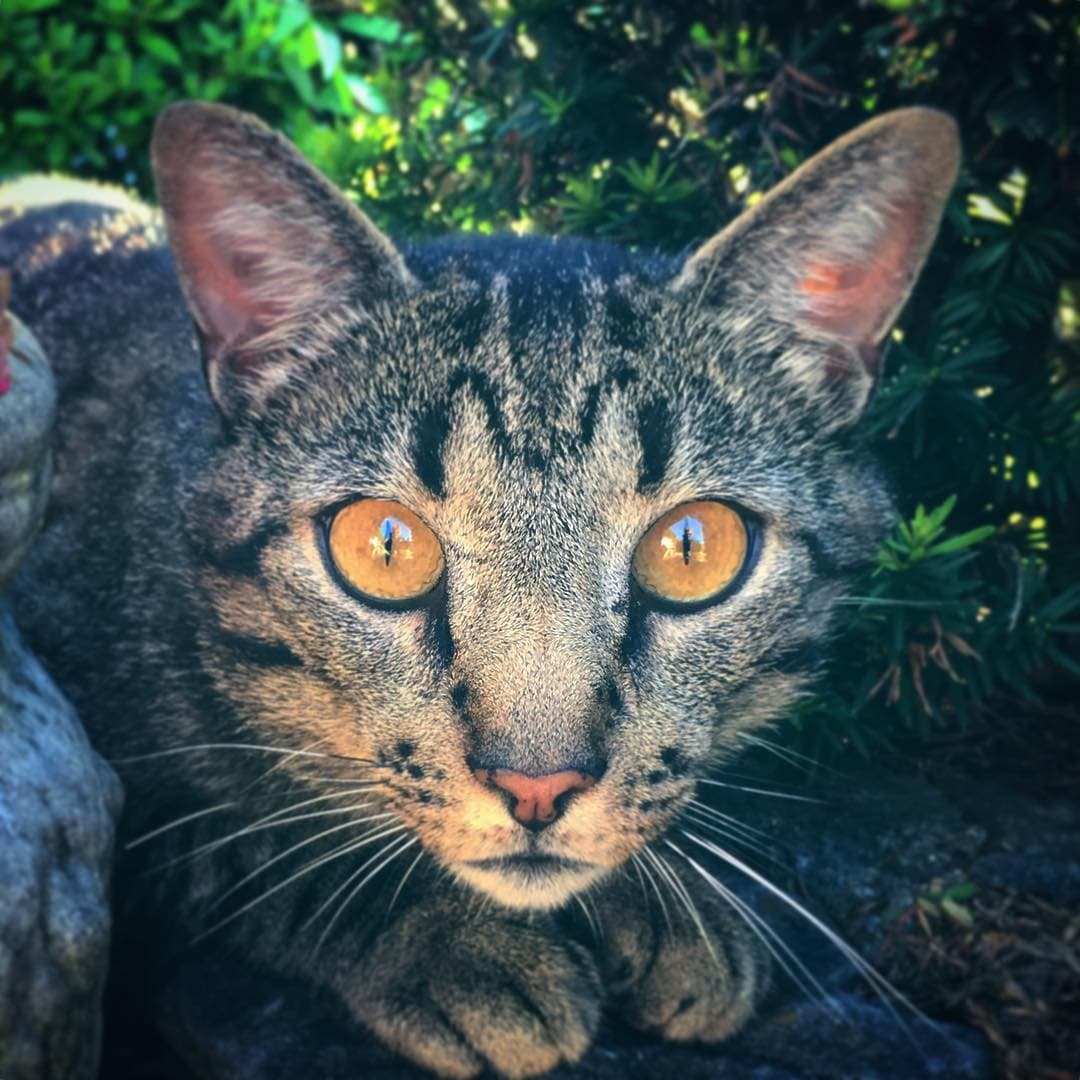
[692, 553]
[384, 550]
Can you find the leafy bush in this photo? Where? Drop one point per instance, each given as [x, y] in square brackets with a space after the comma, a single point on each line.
[653, 124]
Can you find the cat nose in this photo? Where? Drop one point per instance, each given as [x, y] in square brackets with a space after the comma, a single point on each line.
[538, 800]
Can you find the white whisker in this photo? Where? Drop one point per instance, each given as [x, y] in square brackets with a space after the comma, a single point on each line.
[588, 918]
[885, 990]
[761, 791]
[702, 822]
[781, 952]
[401, 883]
[296, 847]
[176, 824]
[802, 762]
[198, 747]
[656, 889]
[271, 821]
[401, 849]
[337, 853]
[680, 891]
[730, 822]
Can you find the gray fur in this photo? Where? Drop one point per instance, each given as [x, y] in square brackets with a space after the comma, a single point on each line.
[539, 403]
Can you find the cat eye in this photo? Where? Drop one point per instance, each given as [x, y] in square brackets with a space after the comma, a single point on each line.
[692, 554]
[384, 551]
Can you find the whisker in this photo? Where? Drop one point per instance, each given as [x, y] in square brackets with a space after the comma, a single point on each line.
[885, 990]
[781, 952]
[401, 883]
[759, 849]
[199, 747]
[281, 763]
[345, 884]
[641, 880]
[296, 847]
[271, 821]
[401, 849]
[176, 824]
[729, 821]
[306, 869]
[680, 891]
[761, 791]
[884, 601]
[656, 889]
[802, 762]
[588, 918]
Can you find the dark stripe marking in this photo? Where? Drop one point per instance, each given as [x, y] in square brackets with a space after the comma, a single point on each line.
[258, 651]
[654, 435]
[244, 558]
[621, 377]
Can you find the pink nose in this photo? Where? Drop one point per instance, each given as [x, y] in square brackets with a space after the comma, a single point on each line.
[536, 798]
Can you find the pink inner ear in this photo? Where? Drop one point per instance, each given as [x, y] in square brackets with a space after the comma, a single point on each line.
[230, 311]
[856, 302]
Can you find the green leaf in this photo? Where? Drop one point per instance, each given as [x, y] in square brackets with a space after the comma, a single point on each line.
[963, 540]
[367, 96]
[31, 118]
[375, 27]
[329, 46]
[160, 47]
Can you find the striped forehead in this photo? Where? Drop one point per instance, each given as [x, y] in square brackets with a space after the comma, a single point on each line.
[533, 352]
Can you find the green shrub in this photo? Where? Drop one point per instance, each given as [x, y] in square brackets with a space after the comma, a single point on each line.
[653, 124]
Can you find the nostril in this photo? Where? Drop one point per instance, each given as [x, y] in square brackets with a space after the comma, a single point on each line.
[538, 801]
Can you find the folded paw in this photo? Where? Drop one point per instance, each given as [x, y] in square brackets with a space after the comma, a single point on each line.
[459, 994]
[680, 975]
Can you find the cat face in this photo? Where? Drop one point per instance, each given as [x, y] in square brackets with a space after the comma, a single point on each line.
[539, 531]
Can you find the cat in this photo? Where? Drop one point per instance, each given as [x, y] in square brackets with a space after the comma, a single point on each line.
[413, 590]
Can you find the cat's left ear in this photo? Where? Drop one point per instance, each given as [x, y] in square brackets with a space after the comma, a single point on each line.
[269, 253]
[829, 256]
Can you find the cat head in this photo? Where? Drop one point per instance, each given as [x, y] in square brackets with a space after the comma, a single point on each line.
[539, 529]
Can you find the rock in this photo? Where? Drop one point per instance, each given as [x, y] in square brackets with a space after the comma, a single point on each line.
[1035, 841]
[58, 799]
[58, 803]
[27, 404]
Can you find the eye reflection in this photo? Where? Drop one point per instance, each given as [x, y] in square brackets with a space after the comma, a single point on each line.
[692, 553]
[684, 539]
[392, 531]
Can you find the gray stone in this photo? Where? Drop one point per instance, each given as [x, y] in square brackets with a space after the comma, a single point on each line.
[58, 803]
[58, 799]
[26, 417]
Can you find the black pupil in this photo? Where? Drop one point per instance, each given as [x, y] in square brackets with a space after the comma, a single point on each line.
[387, 531]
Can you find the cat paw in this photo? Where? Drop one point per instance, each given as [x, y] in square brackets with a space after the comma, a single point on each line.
[677, 977]
[463, 995]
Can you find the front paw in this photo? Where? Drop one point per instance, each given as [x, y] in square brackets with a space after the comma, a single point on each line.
[681, 975]
[460, 993]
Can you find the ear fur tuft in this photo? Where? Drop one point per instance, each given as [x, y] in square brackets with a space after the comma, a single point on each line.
[833, 251]
[265, 246]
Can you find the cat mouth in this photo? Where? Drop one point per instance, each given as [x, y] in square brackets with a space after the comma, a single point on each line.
[529, 880]
[535, 866]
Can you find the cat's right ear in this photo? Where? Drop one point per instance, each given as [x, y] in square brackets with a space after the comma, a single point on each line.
[826, 260]
[267, 250]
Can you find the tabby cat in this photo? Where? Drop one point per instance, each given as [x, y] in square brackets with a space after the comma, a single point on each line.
[413, 591]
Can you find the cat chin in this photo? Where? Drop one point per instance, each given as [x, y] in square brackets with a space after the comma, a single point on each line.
[529, 888]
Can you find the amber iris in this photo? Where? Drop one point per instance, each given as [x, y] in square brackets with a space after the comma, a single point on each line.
[692, 553]
[384, 551]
